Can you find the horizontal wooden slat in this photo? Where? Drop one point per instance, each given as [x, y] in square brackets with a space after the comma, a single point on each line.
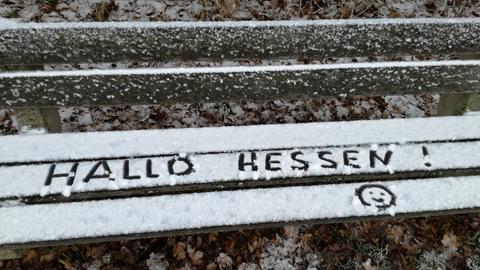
[31, 43]
[72, 167]
[146, 176]
[159, 215]
[122, 144]
[153, 86]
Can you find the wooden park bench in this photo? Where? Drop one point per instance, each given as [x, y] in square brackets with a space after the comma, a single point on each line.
[97, 186]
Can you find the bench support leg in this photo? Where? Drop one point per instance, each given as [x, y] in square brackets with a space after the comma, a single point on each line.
[10, 254]
[453, 104]
[474, 103]
[458, 104]
[38, 118]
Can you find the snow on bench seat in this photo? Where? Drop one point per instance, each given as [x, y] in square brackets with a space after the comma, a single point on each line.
[63, 188]
[78, 166]
[45, 224]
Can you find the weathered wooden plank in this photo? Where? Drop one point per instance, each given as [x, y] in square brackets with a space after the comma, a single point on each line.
[154, 86]
[74, 167]
[78, 180]
[148, 216]
[266, 225]
[216, 229]
[123, 144]
[146, 41]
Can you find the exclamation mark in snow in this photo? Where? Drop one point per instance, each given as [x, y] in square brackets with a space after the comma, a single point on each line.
[426, 157]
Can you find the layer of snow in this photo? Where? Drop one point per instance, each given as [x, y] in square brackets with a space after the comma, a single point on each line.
[233, 24]
[53, 147]
[237, 69]
[472, 113]
[230, 208]
[29, 180]
[4, 22]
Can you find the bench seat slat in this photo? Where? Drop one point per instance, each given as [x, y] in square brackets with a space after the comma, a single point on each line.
[222, 171]
[149, 41]
[136, 217]
[190, 85]
[61, 167]
[123, 144]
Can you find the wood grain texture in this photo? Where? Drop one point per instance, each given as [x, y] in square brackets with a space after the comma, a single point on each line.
[32, 44]
[157, 86]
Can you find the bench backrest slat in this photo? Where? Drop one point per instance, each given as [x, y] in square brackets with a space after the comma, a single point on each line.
[160, 86]
[38, 44]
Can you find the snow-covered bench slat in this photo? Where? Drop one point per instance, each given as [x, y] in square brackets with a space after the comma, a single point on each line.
[70, 167]
[128, 218]
[47, 43]
[153, 86]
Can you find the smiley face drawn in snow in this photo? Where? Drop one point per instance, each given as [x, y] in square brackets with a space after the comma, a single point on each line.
[375, 195]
